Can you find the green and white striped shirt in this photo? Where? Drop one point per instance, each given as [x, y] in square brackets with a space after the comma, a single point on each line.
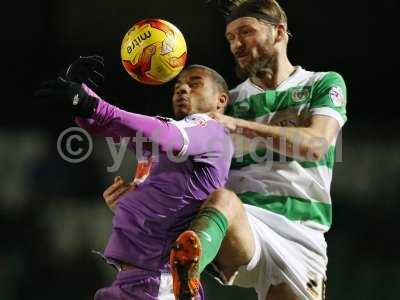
[298, 190]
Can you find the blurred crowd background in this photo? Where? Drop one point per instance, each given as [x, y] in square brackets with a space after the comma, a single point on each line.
[52, 213]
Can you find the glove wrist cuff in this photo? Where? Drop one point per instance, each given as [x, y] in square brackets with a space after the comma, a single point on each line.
[86, 107]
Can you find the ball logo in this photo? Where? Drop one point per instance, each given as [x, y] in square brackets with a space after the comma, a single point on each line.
[168, 45]
[136, 42]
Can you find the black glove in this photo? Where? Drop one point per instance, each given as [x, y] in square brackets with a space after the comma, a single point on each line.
[70, 94]
[86, 69]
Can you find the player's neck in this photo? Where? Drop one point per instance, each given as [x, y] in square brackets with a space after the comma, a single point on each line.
[271, 79]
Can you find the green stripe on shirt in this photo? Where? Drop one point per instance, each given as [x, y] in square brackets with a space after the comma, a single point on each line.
[261, 155]
[293, 208]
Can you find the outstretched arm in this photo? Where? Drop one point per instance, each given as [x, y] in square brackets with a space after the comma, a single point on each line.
[109, 120]
[310, 141]
[105, 119]
[101, 118]
[191, 136]
[305, 143]
[131, 125]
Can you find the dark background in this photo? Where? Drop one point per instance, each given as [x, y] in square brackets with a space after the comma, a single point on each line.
[51, 212]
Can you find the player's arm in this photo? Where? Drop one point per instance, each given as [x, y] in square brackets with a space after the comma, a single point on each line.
[203, 136]
[305, 143]
[102, 118]
[88, 123]
[191, 136]
[137, 127]
[311, 142]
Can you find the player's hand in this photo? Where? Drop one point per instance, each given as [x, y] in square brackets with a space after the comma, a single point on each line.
[226, 121]
[69, 94]
[88, 70]
[233, 124]
[113, 193]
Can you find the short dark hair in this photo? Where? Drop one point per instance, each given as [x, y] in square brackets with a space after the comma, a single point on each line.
[217, 79]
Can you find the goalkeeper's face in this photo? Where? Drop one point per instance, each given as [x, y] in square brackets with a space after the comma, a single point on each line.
[253, 44]
[196, 92]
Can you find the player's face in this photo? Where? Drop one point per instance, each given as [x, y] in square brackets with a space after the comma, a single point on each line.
[194, 92]
[252, 44]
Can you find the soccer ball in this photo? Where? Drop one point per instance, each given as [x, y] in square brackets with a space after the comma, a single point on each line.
[153, 51]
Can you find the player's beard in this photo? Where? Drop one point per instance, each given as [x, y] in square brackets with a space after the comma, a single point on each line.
[265, 65]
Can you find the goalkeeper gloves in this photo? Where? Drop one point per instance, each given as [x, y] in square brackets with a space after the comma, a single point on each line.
[86, 69]
[70, 94]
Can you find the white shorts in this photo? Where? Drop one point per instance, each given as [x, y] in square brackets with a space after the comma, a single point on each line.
[286, 252]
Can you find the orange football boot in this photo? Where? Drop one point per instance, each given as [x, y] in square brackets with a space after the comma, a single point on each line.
[184, 260]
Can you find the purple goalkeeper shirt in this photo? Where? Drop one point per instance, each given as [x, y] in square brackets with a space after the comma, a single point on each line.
[148, 219]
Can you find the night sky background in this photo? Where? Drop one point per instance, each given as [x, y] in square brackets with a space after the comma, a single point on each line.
[51, 212]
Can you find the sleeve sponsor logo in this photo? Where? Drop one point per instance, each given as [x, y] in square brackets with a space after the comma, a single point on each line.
[337, 96]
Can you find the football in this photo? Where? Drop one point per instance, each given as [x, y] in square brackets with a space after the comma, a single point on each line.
[153, 51]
